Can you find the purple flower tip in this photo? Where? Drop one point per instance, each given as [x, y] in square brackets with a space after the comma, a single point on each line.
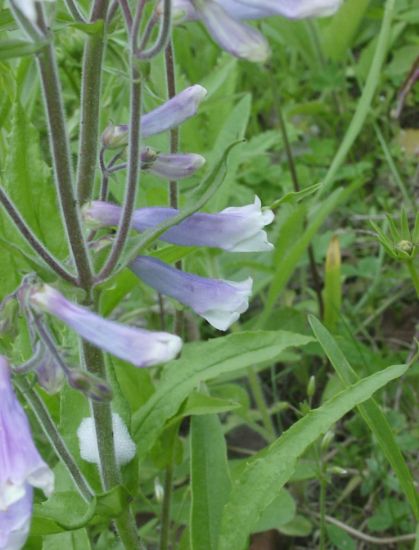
[21, 467]
[140, 347]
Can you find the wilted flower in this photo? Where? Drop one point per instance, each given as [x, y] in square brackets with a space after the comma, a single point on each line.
[21, 467]
[169, 115]
[218, 301]
[124, 445]
[140, 347]
[236, 229]
[27, 7]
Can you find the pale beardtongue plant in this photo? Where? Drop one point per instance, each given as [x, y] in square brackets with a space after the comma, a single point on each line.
[90, 219]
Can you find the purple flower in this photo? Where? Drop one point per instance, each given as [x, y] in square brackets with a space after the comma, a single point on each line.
[236, 38]
[169, 115]
[292, 9]
[21, 467]
[219, 302]
[176, 166]
[15, 522]
[140, 347]
[236, 229]
[183, 10]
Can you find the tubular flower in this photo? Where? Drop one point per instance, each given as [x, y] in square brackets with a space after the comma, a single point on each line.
[236, 229]
[169, 115]
[183, 10]
[293, 9]
[219, 302]
[21, 467]
[233, 36]
[140, 347]
[176, 166]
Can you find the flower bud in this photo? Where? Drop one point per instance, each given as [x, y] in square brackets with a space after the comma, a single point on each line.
[327, 440]
[90, 385]
[311, 386]
[158, 490]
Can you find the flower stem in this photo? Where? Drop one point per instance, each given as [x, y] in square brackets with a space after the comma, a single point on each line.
[164, 35]
[90, 103]
[32, 239]
[132, 175]
[57, 442]
[109, 471]
[414, 275]
[60, 150]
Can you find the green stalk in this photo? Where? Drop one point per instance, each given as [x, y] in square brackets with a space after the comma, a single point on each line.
[90, 104]
[414, 275]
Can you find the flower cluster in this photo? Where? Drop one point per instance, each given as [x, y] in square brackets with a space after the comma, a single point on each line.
[223, 20]
[169, 115]
[235, 229]
[21, 467]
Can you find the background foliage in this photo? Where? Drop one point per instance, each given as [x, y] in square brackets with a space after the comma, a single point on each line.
[204, 416]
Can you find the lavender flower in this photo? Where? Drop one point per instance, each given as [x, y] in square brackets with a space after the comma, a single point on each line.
[176, 166]
[219, 302]
[15, 522]
[183, 10]
[236, 38]
[169, 115]
[292, 9]
[140, 347]
[236, 229]
[21, 467]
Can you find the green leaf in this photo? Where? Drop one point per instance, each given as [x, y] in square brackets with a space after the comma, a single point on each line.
[74, 540]
[210, 481]
[338, 36]
[280, 512]
[268, 471]
[202, 361]
[18, 48]
[371, 413]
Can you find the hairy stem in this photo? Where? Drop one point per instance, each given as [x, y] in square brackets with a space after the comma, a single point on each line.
[32, 239]
[57, 442]
[60, 150]
[164, 34]
[132, 175]
[90, 103]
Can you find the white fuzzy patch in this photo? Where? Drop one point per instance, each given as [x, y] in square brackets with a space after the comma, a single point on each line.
[124, 446]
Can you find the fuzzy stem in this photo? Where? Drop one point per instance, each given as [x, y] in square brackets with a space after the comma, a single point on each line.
[57, 442]
[109, 471]
[90, 103]
[60, 150]
[164, 35]
[32, 239]
[132, 175]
